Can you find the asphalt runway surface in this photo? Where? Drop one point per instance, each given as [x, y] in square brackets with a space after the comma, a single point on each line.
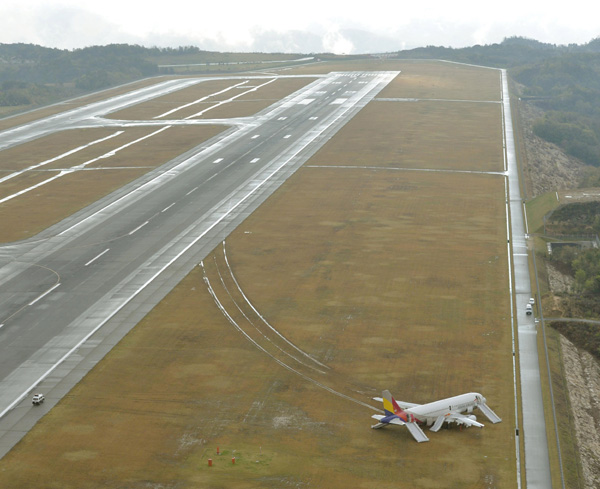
[68, 295]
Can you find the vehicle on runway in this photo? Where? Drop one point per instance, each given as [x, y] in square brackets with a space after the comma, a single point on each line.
[433, 414]
[38, 399]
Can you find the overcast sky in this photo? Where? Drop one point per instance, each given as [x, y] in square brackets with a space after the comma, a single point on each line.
[303, 26]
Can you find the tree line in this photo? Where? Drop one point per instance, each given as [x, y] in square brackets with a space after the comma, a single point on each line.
[563, 80]
[34, 75]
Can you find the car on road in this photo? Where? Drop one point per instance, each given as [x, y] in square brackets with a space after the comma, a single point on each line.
[528, 309]
[38, 399]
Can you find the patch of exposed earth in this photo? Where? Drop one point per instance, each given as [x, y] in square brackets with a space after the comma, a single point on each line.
[583, 381]
[548, 167]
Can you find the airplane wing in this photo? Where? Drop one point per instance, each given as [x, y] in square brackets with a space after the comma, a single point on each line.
[406, 405]
[491, 415]
[462, 419]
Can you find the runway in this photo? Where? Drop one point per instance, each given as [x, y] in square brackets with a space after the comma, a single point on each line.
[69, 294]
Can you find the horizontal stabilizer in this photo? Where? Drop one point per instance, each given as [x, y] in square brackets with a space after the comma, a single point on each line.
[416, 432]
[491, 415]
[388, 419]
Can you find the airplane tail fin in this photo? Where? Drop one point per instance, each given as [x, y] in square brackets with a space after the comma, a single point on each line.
[394, 414]
[390, 406]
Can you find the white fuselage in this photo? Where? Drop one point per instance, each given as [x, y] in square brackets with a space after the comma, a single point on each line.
[430, 412]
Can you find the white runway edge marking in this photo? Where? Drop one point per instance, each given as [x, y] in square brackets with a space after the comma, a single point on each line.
[138, 228]
[223, 102]
[217, 221]
[60, 157]
[44, 295]
[202, 99]
[81, 166]
[96, 257]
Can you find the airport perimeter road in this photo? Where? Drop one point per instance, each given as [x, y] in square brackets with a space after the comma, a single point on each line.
[537, 461]
[70, 294]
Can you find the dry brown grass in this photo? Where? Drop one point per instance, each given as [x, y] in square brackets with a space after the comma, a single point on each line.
[30, 213]
[392, 279]
[427, 135]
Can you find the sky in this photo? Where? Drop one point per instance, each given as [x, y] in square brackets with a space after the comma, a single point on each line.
[305, 26]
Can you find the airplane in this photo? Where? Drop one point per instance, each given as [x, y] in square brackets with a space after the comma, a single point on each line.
[433, 414]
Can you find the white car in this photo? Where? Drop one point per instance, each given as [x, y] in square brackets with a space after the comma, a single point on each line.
[532, 301]
[38, 399]
[528, 309]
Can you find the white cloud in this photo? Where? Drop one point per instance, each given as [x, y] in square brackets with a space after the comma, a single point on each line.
[335, 42]
[308, 26]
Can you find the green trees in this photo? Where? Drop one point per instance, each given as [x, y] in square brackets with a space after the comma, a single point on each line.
[587, 272]
[94, 67]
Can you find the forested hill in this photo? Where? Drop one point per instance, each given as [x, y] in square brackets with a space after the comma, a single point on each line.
[90, 68]
[33, 75]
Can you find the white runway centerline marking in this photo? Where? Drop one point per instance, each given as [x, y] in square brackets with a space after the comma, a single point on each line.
[254, 160]
[138, 228]
[44, 294]
[96, 257]
[218, 160]
[168, 207]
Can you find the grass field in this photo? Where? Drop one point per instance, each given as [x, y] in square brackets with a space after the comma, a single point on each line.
[377, 274]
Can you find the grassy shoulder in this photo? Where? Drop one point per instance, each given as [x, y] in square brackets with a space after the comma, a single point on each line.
[388, 277]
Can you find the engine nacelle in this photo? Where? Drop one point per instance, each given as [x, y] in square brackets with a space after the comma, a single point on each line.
[472, 417]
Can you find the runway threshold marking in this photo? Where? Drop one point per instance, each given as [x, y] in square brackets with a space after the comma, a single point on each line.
[96, 257]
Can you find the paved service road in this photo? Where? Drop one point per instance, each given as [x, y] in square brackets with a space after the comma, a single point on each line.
[537, 461]
[68, 295]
